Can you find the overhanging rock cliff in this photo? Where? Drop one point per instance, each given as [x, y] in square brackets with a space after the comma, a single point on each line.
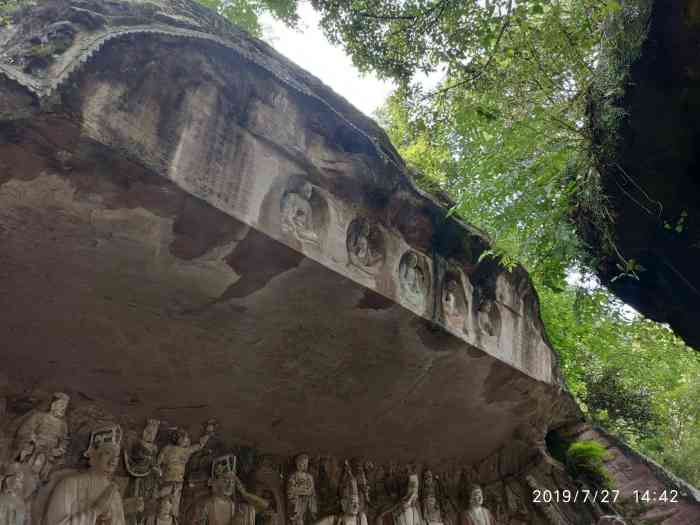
[193, 229]
[648, 247]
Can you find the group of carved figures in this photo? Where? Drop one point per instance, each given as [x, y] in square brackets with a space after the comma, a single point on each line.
[157, 477]
[365, 246]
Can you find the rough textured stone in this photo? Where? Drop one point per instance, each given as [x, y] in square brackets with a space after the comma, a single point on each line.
[651, 179]
[193, 228]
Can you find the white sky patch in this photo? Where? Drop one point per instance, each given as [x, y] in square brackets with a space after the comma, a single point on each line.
[309, 48]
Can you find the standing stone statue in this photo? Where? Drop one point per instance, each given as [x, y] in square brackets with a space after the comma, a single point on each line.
[46, 433]
[141, 464]
[248, 505]
[407, 510]
[430, 506]
[218, 508]
[476, 514]
[301, 493]
[91, 497]
[349, 503]
[173, 462]
[13, 510]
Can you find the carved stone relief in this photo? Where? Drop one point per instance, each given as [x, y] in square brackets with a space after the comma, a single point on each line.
[90, 497]
[432, 514]
[42, 439]
[298, 214]
[172, 461]
[301, 493]
[365, 245]
[455, 305]
[249, 489]
[407, 510]
[140, 460]
[414, 277]
[489, 318]
[476, 513]
[13, 509]
[350, 514]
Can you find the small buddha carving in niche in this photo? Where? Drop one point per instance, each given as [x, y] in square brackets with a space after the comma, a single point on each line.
[413, 279]
[365, 245]
[297, 214]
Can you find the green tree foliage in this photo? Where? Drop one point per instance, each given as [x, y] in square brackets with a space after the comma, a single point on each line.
[632, 376]
[246, 13]
[505, 133]
[584, 459]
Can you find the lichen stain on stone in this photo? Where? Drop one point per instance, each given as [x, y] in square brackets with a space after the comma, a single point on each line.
[258, 259]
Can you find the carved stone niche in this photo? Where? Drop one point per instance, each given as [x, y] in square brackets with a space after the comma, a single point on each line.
[303, 213]
[414, 278]
[365, 245]
[453, 301]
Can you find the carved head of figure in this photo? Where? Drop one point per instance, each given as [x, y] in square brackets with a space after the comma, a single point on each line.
[165, 507]
[103, 452]
[104, 458]
[222, 485]
[307, 190]
[476, 497]
[150, 431]
[13, 482]
[59, 404]
[181, 438]
[302, 462]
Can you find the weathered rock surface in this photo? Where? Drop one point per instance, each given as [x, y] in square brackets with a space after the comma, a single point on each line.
[193, 228]
[651, 178]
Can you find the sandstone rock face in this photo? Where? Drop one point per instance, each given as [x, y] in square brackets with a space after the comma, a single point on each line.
[222, 264]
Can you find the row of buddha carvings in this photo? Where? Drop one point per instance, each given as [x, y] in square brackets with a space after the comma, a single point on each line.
[301, 208]
[158, 476]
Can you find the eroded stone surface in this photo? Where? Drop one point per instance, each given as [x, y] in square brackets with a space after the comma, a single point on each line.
[193, 230]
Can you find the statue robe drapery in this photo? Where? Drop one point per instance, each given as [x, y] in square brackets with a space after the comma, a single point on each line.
[73, 498]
